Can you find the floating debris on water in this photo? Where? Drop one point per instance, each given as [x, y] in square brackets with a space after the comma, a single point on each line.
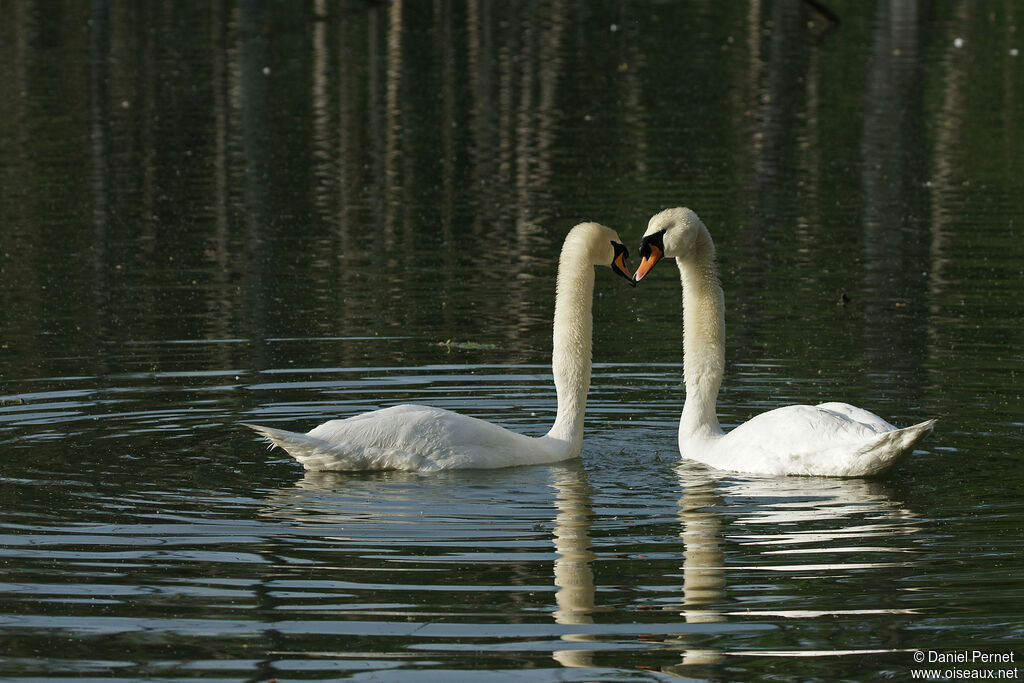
[448, 344]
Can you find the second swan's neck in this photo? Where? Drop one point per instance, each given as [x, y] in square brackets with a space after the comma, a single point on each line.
[571, 347]
[703, 341]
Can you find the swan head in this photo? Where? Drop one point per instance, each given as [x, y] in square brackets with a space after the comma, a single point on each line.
[675, 233]
[603, 246]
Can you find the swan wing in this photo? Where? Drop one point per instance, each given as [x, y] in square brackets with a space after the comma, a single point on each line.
[831, 439]
[411, 438]
[855, 414]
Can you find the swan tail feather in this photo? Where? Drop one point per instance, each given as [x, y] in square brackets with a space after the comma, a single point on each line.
[881, 453]
[308, 450]
[318, 455]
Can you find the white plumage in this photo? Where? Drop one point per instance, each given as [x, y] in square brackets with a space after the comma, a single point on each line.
[831, 439]
[426, 439]
[412, 438]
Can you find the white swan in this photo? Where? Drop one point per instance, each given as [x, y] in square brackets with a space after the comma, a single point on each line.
[425, 439]
[831, 439]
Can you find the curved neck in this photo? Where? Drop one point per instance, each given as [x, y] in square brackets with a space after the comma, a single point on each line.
[703, 342]
[571, 348]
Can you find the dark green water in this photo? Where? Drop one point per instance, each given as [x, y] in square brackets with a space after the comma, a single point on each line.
[217, 212]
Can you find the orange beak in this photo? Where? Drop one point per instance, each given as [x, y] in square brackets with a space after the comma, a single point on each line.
[647, 263]
[620, 267]
[619, 263]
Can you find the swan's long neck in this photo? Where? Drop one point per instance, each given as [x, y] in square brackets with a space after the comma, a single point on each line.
[703, 340]
[571, 348]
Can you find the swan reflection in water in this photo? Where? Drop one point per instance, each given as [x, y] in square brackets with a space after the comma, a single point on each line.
[775, 517]
[574, 573]
[703, 574]
[733, 529]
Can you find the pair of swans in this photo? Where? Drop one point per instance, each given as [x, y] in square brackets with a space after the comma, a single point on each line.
[831, 439]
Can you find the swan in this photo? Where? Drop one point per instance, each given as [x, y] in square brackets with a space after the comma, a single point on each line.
[830, 439]
[427, 439]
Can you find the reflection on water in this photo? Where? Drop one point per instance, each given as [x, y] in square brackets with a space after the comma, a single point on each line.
[455, 143]
[228, 211]
[624, 561]
[733, 531]
[573, 565]
[703, 561]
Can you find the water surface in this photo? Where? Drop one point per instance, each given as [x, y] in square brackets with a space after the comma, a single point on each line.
[258, 212]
